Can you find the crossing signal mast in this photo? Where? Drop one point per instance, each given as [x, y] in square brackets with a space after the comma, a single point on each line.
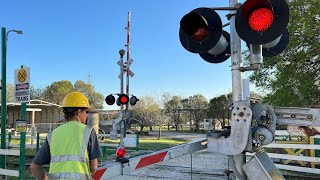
[122, 100]
[262, 24]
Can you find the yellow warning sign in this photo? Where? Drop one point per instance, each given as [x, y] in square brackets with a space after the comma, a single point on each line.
[22, 75]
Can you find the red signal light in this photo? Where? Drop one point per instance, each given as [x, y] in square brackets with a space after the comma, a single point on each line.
[121, 152]
[123, 99]
[261, 19]
[200, 34]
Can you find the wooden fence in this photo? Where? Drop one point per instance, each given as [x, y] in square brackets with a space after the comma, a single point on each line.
[300, 155]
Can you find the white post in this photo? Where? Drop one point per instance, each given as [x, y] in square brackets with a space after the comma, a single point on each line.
[235, 44]
[33, 128]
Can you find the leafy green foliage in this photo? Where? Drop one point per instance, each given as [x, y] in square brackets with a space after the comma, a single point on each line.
[219, 107]
[292, 78]
[95, 99]
[57, 91]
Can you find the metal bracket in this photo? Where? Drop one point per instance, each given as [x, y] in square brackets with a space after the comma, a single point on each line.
[297, 116]
[237, 141]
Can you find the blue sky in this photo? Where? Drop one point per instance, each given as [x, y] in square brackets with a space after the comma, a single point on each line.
[67, 40]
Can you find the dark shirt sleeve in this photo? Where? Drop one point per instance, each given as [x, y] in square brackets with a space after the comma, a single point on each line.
[43, 156]
[94, 150]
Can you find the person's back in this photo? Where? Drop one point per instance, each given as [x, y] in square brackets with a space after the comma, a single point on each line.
[71, 149]
[68, 149]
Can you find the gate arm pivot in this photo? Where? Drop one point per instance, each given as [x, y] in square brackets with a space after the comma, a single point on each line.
[237, 141]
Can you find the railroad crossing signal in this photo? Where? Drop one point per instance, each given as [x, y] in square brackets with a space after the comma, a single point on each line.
[122, 99]
[264, 22]
[110, 99]
[201, 32]
[258, 22]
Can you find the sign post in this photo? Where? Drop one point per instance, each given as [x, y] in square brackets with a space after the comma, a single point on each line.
[22, 95]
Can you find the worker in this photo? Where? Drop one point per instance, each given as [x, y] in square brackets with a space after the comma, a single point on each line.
[72, 149]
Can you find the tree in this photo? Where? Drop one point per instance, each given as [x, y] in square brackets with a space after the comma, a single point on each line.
[95, 99]
[36, 93]
[10, 92]
[198, 108]
[292, 78]
[173, 107]
[57, 91]
[146, 110]
[219, 107]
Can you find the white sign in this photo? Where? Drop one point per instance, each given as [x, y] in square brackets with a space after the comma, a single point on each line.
[22, 85]
[113, 135]
[130, 140]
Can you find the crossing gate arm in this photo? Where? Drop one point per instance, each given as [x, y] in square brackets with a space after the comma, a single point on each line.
[116, 168]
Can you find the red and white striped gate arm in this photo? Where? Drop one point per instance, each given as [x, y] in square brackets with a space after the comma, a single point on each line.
[116, 169]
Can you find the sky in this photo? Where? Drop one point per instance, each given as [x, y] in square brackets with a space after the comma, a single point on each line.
[68, 40]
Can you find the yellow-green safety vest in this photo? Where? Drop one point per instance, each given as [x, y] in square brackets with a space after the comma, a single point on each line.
[68, 148]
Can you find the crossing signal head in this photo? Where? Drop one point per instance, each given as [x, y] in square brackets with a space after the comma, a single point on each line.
[201, 32]
[262, 21]
[110, 99]
[123, 99]
[133, 100]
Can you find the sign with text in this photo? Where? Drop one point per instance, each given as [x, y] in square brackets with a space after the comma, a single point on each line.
[21, 125]
[22, 85]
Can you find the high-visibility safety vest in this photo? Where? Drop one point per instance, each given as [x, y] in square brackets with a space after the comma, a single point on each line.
[68, 148]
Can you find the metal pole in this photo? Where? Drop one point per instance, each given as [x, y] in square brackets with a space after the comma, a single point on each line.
[22, 140]
[236, 76]
[3, 96]
[38, 142]
[128, 56]
[121, 52]
[32, 126]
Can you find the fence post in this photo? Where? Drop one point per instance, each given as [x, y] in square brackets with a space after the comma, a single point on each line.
[104, 150]
[38, 142]
[22, 155]
[312, 151]
[137, 134]
[9, 144]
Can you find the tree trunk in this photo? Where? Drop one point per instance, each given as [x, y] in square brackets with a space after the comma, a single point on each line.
[197, 127]
[176, 125]
[159, 134]
[141, 128]
[168, 126]
[150, 128]
[190, 121]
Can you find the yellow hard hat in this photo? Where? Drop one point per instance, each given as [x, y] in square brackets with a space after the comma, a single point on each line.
[75, 99]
